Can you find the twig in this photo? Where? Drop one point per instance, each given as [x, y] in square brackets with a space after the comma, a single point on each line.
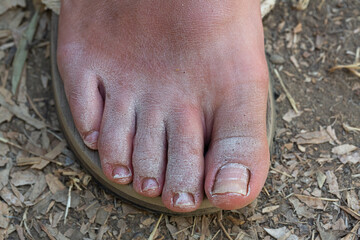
[193, 229]
[317, 198]
[215, 234]
[288, 95]
[182, 230]
[152, 235]
[283, 173]
[224, 230]
[350, 211]
[34, 108]
[352, 234]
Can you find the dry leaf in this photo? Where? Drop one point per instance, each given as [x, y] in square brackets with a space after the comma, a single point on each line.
[7, 4]
[320, 177]
[270, 209]
[54, 5]
[4, 175]
[312, 202]
[3, 161]
[333, 183]
[288, 117]
[353, 157]
[281, 233]
[300, 4]
[353, 201]
[316, 137]
[343, 149]
[266, 6]
[332, 134]
[300, 209]
[5, 115]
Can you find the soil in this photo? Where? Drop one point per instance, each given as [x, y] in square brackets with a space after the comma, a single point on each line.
[312, 190]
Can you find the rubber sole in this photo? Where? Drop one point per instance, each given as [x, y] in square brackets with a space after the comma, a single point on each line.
[89, 159]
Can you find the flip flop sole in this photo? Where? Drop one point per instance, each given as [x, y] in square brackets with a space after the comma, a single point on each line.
[90, 159]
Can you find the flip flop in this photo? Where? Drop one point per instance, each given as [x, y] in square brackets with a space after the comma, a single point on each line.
[89, 159]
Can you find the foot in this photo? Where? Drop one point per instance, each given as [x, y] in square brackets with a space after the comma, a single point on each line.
[172, 94]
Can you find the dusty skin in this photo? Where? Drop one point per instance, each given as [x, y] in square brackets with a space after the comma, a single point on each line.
[151, 85]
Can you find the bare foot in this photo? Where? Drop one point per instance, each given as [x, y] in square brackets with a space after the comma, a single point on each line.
[152, 84]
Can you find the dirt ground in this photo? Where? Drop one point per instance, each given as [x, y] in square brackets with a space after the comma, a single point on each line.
[313, 188]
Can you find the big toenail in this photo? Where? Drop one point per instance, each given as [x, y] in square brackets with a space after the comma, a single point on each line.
[121, 172]
[183, 200]
[149, 184]
[232, 178]
[91, 139]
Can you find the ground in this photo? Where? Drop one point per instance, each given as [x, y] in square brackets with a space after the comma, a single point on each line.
[313, 188]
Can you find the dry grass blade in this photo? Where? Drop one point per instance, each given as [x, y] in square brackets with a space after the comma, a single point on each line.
[152, 235]
[288, 95]
[68, 202]
[22, 52]
[351, 67]
[349, 128]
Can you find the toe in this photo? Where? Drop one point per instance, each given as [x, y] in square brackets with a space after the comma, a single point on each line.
[183, 188]
[85, 100]
[149, 155]
[115, 141]
[237, 161]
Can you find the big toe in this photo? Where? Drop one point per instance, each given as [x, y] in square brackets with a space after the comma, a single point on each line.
[237, 161]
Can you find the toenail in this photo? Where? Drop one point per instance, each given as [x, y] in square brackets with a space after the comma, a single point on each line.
[232, 178]
[121, 172]
[91, 138]
[149, 184]
[183, 200]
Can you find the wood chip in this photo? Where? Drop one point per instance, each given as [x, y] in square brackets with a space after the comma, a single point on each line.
[4, 215]
[21, 178]
[54, 183]
[10, 198]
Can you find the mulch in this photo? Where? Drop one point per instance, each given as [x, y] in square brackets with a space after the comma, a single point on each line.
[313, 187]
